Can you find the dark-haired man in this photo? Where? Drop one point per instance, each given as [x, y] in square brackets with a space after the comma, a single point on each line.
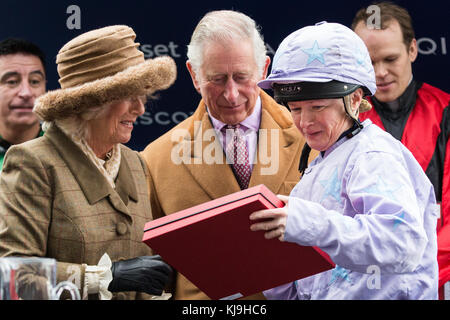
[22, 80]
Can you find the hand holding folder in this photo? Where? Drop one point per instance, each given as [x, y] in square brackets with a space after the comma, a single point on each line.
[212, 245]
[274, 222]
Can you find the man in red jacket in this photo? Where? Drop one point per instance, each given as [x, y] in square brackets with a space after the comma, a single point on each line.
[414, 112]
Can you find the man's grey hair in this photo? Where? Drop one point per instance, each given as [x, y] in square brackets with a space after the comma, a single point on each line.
[226, 25]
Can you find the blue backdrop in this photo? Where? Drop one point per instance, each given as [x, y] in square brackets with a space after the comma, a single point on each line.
[165, 27]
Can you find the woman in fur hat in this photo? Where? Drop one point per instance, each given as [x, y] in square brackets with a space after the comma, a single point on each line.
[77, 194]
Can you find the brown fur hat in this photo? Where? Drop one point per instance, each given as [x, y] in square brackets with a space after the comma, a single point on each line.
[101, 66]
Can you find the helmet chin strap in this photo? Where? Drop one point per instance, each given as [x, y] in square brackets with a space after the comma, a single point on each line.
[307, 149]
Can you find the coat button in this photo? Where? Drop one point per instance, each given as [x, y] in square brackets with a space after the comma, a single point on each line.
[121, 228]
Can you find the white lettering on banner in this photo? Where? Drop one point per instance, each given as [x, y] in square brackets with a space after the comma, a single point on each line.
[179, 116]
[163, 118]
[427, 46]
[73, 21]
[151, 51]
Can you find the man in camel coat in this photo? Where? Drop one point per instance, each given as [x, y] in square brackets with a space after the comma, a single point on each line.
[189, 164]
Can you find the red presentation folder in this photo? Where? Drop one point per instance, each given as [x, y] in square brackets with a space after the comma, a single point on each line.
[212, 245]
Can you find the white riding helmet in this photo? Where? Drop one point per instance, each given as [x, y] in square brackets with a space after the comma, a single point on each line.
[324, 61]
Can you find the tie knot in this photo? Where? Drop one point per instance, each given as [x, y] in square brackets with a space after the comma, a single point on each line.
[237, 129]
[232, 126]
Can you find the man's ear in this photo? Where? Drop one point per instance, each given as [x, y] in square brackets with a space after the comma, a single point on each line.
[266, 68]
[195, 81]
[412, 50]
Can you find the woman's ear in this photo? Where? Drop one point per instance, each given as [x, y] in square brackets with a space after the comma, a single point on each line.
[356, 98]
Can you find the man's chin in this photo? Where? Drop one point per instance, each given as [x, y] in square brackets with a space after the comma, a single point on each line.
[388, 97]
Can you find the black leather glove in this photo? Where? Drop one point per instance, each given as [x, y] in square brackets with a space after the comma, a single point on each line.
[147, 274]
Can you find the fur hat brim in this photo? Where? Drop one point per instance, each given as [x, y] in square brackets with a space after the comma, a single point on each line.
[142, 79]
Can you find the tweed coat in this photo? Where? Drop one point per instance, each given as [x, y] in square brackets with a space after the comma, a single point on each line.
[174, 187]
[55, 203]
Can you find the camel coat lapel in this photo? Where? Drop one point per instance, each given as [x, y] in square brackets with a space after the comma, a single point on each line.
[202, 139]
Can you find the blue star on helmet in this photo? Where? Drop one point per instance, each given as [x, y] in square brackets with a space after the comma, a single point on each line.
[359, 56]
[332, 186]
[315, 53]
[362, 58]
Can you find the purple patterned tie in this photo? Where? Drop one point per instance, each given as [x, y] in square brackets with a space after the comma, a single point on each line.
[237, 154]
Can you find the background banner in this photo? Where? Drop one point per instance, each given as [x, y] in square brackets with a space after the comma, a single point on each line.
[165, 28]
